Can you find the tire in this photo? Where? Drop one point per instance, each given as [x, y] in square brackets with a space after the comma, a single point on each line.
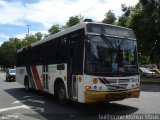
[61, 94]
[26, 84]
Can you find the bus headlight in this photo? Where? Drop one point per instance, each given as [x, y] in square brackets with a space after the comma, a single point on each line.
[95, 80]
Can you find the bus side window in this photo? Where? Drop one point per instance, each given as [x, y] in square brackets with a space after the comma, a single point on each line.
[76, 41]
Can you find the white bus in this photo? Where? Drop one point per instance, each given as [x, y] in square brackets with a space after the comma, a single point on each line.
[89, 62]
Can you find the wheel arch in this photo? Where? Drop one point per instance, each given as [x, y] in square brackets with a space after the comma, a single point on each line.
[59, 81]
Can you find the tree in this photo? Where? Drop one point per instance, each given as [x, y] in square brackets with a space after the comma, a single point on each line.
[73, 20]
[8, 52]
[39, 36]
[147, 3]
[145, 21]
[144, 2]
[109, 18]
[122, 20]
[9, 48]
[54, 29]
[28, 40]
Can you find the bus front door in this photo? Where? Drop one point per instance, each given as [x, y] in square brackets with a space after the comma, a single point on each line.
[74, 86]
[45, 77]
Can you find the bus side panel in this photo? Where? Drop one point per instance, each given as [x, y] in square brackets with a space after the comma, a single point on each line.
[54, 74]
[20, 74]
[36, 76]
[81, 88]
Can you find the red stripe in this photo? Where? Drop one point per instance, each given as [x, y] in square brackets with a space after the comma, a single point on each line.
[36, 78]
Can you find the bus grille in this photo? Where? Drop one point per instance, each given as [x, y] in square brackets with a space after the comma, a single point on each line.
[115, 84]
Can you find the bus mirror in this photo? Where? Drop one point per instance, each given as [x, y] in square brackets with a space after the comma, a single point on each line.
[60, 67]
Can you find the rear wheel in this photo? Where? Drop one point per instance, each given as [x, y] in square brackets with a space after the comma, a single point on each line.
[26, 84]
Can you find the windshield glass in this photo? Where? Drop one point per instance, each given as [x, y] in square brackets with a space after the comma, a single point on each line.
[145, 70]
[107, 54]
[12, 71]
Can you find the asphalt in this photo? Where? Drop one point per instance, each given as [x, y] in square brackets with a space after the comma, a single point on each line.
[14, 100]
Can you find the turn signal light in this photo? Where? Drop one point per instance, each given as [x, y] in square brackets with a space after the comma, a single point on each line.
[87, 87]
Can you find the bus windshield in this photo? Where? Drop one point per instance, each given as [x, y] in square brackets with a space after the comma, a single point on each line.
[109, 54]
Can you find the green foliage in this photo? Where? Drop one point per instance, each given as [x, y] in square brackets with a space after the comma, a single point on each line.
[145, 21]
[39, 36]
[29, 40]
[54, 29]
[110, 18]
[122, 21]
[8, 52]
[9, 48]
[144, 60]
[73, 20]
[144, 2]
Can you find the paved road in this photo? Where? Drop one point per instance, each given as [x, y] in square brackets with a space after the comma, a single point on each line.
[16, 103]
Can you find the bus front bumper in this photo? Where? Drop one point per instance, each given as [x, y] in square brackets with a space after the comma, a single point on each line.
[97, 96]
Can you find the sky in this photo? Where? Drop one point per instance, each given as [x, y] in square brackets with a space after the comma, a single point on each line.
[15, 15]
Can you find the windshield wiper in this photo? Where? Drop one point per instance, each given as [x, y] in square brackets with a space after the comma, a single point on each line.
[104, 38]
[124, 40]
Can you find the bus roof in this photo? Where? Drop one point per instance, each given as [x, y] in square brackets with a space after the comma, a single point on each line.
[68, 30]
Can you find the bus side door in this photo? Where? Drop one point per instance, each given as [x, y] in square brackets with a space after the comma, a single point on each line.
[45, 77]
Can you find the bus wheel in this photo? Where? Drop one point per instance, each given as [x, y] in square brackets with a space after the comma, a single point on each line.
[26, 84]
[61, 94]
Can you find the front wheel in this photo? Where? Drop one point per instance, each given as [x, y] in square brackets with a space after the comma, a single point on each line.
[61, 94]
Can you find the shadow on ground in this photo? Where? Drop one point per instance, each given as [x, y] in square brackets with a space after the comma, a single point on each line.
[45, 105]
[150, 87]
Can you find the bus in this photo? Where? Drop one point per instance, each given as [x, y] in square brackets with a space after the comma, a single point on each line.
[88, 63]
